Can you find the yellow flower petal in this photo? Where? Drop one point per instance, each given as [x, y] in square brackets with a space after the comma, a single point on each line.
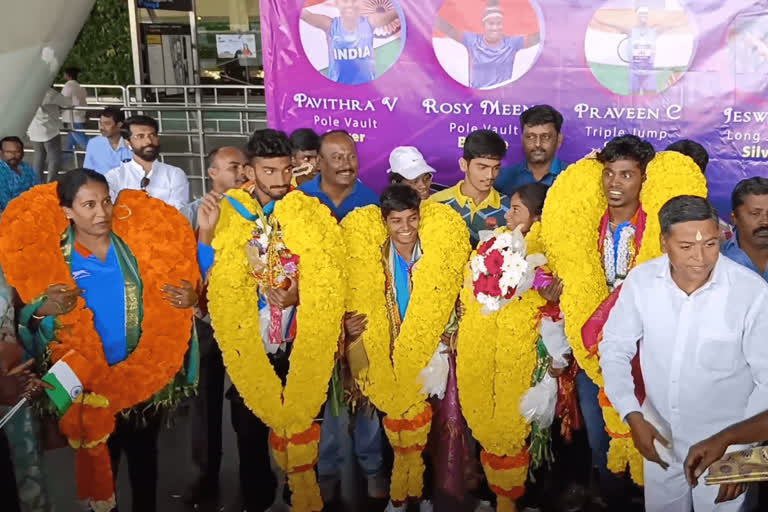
[570, 229]
[496, 357]
[391, 382]
[310, 232]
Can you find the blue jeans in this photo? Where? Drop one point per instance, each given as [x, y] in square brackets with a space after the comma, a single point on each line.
[612, 486]
[76, 138]
[335, 446]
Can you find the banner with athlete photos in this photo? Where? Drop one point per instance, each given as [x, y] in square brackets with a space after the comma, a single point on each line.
[427, 73]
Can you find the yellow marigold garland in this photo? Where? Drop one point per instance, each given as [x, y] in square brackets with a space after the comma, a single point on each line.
[506, 477]
[570, 231]
[395, 388]
[408, 437]
[309, 231]
[496, 357]
[670, 174]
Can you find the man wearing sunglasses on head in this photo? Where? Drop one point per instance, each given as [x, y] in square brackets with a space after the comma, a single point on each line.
[144, 171]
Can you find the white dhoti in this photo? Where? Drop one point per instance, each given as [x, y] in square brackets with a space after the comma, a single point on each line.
[704, 362]
[668, 491]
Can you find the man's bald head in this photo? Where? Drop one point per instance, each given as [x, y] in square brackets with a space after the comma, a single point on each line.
[226, 168]
[334, 135]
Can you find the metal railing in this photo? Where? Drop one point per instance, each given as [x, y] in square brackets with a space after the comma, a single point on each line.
[103, 94]
[192, 119]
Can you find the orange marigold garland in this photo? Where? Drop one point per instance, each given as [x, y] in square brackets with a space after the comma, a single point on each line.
[32, 226]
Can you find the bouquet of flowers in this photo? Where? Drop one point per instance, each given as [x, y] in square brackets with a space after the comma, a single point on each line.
[502, 270]
[273, 266]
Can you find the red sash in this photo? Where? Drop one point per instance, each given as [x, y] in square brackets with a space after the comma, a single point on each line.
[592, 335]
[592, 331]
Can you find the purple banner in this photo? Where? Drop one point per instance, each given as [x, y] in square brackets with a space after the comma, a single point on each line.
[428, 72]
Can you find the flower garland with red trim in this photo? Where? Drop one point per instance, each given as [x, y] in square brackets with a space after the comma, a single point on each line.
[313, 236]
[496, 358]
[391, 380]
[31, 258]
[571, 220]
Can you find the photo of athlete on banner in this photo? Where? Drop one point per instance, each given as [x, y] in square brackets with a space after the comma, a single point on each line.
[352, 42]
[487, 43]
[748, 45]
[639, 47]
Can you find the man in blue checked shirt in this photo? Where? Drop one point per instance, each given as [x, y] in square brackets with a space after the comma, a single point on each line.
[108, 151]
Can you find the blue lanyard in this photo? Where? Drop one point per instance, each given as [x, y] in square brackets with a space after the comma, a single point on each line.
[239, 208]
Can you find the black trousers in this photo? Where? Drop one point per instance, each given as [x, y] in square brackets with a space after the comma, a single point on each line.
[571, 468]
[257, 481]
[139, 443]
[9, 495]
[206, 408]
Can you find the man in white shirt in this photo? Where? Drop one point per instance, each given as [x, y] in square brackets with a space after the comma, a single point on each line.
[701, 320]
[44, 131]
[75, 119]
[144, 171]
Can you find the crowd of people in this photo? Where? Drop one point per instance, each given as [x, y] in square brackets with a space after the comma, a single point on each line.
[676, 298]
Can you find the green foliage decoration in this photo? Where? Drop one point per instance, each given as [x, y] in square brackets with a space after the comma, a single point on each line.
[102, 50]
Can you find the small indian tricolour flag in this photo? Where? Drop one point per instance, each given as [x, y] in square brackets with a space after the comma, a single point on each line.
[66, 385]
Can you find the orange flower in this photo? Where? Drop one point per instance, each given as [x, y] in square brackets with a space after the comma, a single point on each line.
[616, 435]
[306, 467]
[602, 398]
[514, 494]
[416, 448]
[311, 435]
[165, 250]
[398, 425]
[500, 462]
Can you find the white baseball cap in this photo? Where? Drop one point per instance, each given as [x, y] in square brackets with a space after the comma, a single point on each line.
[408, 162]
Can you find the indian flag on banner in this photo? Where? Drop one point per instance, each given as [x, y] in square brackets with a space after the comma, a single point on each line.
[387, 42]
[643, 45]
[63, 377]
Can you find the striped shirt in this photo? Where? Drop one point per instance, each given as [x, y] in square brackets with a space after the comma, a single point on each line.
[486, 216]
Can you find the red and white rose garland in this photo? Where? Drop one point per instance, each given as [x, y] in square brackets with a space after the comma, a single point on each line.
[502, 270]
